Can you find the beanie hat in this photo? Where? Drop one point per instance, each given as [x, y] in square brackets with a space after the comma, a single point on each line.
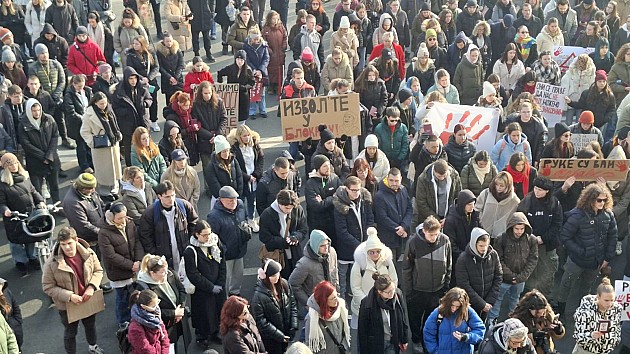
[423, 52]
[318, 161]
[8, 159]
[601, 75]
[220, 143]
[4, 32]
[404, 94]
[371, 141]
[425, 7]
[103, 68]
[81, 30]
[588, 2]
[373, 242]
[543, 182]
[270, 268]
[513, 328]
[8, 55]
[386, 54]
[345, 22]
[458, 127]
[40, 48]
[85, 180]
[317, 238]
[471, 3]
[623, 133]
[431, 33]
[560, 128]
[307, 54]
[240, 54]
[587, 117]
[325, 134]
[508, 20]
[488, 89]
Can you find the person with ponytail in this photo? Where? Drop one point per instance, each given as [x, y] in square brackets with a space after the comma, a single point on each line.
[326, 323]
[383, 322]
[205, 268]
[598, 321]
[274, 308]
[147, 333]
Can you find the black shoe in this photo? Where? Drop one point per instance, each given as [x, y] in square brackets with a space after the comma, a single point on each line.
[225, 50]
[203, 343]
[34, 264]
[62, 174]
[106, 288]
[210, 58]
[68, 144]
[22, 268]
[253, 117]
[263, 115]
[196, 54]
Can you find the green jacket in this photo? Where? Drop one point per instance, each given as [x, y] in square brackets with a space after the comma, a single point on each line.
[53, 79]
[469, 81]
[153, 170]
[395, 145]
[8, 343]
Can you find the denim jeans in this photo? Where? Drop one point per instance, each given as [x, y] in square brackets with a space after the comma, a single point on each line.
[250, 197]
[22, 253]
[259, 107]
[294, 149]
[122, 305]
[514, 292]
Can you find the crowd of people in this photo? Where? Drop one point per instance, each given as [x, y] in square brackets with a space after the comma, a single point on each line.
[404, 242]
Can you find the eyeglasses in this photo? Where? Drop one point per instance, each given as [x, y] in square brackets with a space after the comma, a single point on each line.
[373, 252]
[601, 200]
[567, 135]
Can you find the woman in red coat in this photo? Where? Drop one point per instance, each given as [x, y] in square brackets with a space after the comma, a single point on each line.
[147, 333]
[276, 36]
[388, 42]
[198, 72]
[84, 56]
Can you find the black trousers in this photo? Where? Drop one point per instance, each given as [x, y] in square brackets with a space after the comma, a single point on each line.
[71, 329]
[156, 15]
[207, 45]
[53, 184]
[419, 307]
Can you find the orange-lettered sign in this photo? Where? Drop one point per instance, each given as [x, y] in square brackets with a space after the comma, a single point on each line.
[583, 169]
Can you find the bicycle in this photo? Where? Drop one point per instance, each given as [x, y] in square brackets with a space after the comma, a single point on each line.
[39, 225]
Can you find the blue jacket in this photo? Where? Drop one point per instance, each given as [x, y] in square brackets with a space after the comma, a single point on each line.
[439, 339]
[392, 209]
[505, 148]
[225, 224]
[257, 58]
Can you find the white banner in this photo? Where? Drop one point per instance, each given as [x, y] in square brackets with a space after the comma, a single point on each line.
[622, 296]
[551, 101]
[564, 55]
[481, 123]
[580, 141]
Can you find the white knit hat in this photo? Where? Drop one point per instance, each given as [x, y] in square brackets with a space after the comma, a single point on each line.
[373, 242]
[488, 89]
[371, 141]
[423, 51]
[345, 22]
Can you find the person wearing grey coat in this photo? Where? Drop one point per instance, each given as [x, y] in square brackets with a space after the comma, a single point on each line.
[568, 24]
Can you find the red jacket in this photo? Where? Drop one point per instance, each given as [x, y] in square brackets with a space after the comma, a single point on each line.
[196, 78]
[145, 340]
[77, 62]
[400, 55]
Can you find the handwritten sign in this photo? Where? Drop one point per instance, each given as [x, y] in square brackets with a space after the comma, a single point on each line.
[580, 141]
[300, 117]
[622, 296]
[229, 94]
[551, 101]
[583, 169]
[564, 55]
[481, 123]
[255, 94]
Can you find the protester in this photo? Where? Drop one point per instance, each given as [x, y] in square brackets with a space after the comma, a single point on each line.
[326, 323]
[534, 311]
[508, 336]
[147, 333]
[238, 329]
[478, 173]
[183, 177]
[146, 155]
[137, 195]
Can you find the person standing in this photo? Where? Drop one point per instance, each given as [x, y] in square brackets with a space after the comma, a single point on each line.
[241, 73]
[203, 12]
[393, 219]
[63, 17]
[75, 104]
[85, 56]
[147, 333]
[318, 191]
[238, 329]
[171, 62]
[326, 323]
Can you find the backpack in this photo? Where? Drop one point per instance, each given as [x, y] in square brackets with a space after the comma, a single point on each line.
[123, 342]
[181, 273]
[156, 210]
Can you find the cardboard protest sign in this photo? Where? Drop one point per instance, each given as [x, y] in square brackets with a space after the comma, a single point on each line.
[551, 101]
[580, 141]
[481, 123]
[229, 94]
[622, 296]
[564, 55]
[584, 169]
[86, 309]
[300, 117]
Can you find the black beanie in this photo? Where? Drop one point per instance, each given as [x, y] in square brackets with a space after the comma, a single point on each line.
[240, 54]
[325, 134]
[404, 94]
[559, 129]
[318, 161]
[543, 182]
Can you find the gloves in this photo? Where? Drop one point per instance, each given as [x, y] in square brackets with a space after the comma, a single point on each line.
[217, 289]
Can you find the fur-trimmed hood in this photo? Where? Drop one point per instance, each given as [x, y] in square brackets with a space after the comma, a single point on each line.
[189, 67]
[161, 48]
[341, 201]
[231, 138]
[483, 24]
[363, 260]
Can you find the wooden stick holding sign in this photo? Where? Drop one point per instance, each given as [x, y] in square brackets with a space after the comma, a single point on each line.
[229, 95]
[301, 116]
[584, 169]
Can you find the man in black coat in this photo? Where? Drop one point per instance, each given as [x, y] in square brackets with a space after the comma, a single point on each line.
[501, 33]
[74, 107]
[528, 19]
[63, 17]
[57, 45]
[318, 191]
[202, 12]
[394, 212]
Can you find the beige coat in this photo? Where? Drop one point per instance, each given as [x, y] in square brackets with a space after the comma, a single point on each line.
[546, 41]
[59, 281]
[185, 187]
[332, 71]
[348, 43]
[107, 170]
[172, 12]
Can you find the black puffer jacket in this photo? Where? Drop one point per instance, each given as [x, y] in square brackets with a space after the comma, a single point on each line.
[374, 95]
[131, 114]
[545, 215]
[22, 197]
[57, 48]
[171, 62]
[458, 225]
[459, 155]
[225, 224]
[349, 230]
[589, 238]
[480, 275]
[320, 214]
[217, 176]
[275, 319]
[421, 158]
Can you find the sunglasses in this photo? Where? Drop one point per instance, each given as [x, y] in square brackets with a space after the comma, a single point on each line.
[394, 120]
[567, 135]
[601, 200]
[431, 39]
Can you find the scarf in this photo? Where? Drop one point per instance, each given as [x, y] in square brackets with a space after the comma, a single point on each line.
[395, 317]
[147, 319]
[97, 34]
[547, 75]
[316, 339]
[500, 196]
[520, 177]
[481, 173]
[212, 245]
[524, 45]
[184, 117]
[110, 124]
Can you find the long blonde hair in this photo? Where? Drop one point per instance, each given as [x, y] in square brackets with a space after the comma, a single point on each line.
[11, 8]
[145, 48]
[7, 176]
[153, 263]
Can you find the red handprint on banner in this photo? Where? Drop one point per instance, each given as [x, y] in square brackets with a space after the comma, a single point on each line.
[622, 166]
[473, 129]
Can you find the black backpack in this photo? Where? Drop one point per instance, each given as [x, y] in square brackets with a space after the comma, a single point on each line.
[123, 341]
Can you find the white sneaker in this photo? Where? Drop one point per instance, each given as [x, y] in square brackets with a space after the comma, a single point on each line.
[45, 192]
[619, 248]
[155, 127]
[254, 225]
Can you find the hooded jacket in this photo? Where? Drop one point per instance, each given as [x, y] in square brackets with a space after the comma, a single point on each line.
[427, 196]
[479, 274]
[469, 78]
[361, 281]
[576, 81]
[131, 114]
[496, 344]
[501, 36]
[450, 93]
[505, 148]
[268, 187]
[395, 209]
[120, 248]
[519, 256]
[586, 321]
[352, 219]
[426, 266]
[57, 47]
[377, 36]
[454, 55]
[380, 168]
[545, 216]
[39, 141]
[421, 158]
[84, 58]
[588, 238]
[136, 200]
[331, 71]
[459, 224]
[64, 19]
[165, 145]
[309, 272]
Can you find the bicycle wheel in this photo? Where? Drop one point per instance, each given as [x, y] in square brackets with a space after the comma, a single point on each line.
[43, 251]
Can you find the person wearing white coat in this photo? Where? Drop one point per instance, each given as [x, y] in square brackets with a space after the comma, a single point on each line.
[579, 77]
[509, 77]
[34, 18]
[379, 163]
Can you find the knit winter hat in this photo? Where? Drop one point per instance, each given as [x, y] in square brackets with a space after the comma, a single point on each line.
[488, 89]
[240, 54]
[270, 268]
[373, 242]
[431, 33]
[40, 48]
[425, 7]
[471, 3]
[85, 180]
[513, 328]
[508, 20]
[8, 159]
[318, 161]
[587, 117]
[601, 75]
[560, 128]
[623, 133]
[404, 94]
[371, 141]
[345, 22]
[5, 32]
[423, 52]
[81, 30]
[307, 54]
[325, 134]
[8, 55]
[103, 68]
[317, 238]
[220, 143]
[543, 182]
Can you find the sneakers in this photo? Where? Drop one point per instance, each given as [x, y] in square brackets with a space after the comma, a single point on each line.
[88, 170]
[34, 264]
[45, 192]
[22, 268]
[155, 127]
[619, 248]
[210, 58]
[95, 349]
[254, 225]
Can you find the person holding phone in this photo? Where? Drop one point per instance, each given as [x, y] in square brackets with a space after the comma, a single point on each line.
[544, 326]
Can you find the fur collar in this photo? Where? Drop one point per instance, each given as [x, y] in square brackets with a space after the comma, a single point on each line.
[160, 47]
